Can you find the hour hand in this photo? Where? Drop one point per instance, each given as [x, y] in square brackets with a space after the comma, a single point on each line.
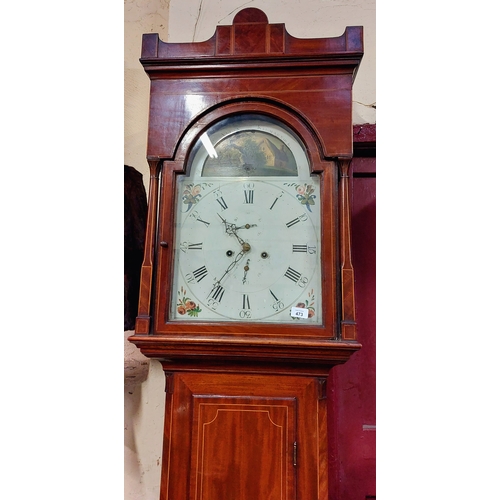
[228, 226]
[231, 229]
[246, 226]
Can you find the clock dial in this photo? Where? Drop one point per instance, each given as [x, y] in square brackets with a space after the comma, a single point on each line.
[248, 248]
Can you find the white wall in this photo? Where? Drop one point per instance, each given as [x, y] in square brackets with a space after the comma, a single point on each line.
[144, 411]
[187, 20]
[196, 21]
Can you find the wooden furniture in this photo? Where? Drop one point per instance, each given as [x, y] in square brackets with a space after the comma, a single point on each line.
[246, 396]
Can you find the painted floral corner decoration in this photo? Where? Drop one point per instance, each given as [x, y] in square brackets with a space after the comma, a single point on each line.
[304, 194]
[192, 194]
[308, 304]
[186, 305]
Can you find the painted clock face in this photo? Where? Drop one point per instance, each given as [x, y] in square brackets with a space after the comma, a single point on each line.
[247, 235]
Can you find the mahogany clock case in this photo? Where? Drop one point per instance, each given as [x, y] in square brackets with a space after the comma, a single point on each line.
[245, 413]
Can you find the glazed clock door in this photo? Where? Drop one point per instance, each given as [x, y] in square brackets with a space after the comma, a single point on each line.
[248, 232]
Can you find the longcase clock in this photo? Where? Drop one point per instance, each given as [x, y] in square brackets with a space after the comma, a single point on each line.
[247, 287]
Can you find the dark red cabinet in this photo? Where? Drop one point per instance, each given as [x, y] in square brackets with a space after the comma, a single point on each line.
[351, 396]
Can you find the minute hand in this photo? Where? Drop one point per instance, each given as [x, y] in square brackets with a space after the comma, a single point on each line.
[230, 267]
